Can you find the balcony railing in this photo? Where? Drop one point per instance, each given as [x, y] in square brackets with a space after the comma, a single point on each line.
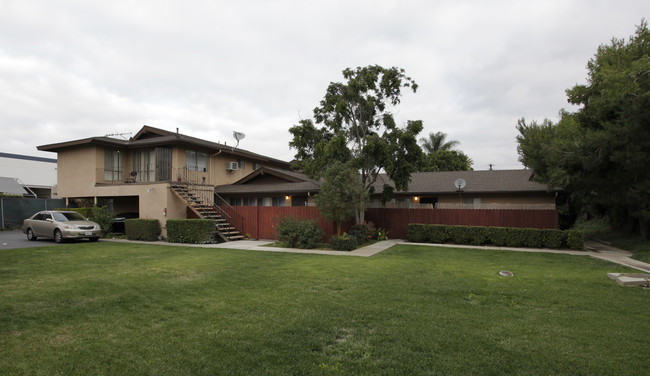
[145, 175]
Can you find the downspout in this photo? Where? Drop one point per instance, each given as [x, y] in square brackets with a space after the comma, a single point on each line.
[210, 171]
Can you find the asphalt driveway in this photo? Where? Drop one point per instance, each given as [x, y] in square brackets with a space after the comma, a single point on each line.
[12, 239]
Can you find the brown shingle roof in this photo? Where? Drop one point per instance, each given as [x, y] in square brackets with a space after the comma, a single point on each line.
[490, 181]
[422, 183]
[150, 136]
[278, 188]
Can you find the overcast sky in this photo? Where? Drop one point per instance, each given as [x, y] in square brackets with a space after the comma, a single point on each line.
[77, 69]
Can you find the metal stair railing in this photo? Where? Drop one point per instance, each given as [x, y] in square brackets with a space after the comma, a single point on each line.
[191, 178]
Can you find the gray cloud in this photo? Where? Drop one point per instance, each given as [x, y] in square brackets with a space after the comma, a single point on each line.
[75, 69]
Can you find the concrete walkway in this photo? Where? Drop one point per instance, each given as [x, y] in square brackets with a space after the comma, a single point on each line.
[262, 245]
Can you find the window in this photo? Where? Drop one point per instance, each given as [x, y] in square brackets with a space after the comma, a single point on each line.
[112, 165]
[472, 201]
[235, 202]
[196, 161]
[242, 164]
[429, 200]
[144, 165]
[299, 200]
[256, 166]
[249, 201]
[263, 201]
[277, 201]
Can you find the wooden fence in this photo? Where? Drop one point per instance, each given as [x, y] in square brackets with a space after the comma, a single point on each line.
[259, 220]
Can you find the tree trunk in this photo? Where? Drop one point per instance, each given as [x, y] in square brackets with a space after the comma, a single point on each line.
[644, 228]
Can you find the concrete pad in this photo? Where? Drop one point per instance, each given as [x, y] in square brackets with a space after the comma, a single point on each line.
[630, 279]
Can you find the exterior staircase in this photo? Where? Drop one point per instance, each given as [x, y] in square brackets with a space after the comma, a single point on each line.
[200, 202]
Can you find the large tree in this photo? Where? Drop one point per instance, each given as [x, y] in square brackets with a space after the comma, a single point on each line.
[600, 153]
[357, 127]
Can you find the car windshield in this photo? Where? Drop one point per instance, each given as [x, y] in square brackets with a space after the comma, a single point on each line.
[67, 216]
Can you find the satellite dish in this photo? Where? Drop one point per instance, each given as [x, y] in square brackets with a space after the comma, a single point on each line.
[238, 136]
[460, 183]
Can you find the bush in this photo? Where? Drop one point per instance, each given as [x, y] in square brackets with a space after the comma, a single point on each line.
[416, 232]
[343, 242]
[459, 235]
[382, 234]
[496, 236]
[192, 231]
[142, 229]
[478, 235]
[363, 232]
[553, 238]
[104, 218]
[575, 239]
[437, 233]
[297, 234]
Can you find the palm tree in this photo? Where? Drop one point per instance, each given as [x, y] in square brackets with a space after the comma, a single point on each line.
[437, 141]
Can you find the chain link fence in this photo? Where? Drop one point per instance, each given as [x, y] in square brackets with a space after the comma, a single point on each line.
[14, 210]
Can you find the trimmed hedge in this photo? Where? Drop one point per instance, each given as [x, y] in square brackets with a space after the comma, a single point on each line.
[496, 236]
[192, 231]
[142, 229]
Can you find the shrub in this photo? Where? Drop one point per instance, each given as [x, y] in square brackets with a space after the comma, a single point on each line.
[496, 236]
[530, 237]
[343, 242]
[363, 232]
[382, 234]
[478, 235]
[437, 233]
[104, 218]
[297, 234]
[552, 238]
[142, 229]
[193, 231]
[575, 239]
[416, 232]
[459, 235]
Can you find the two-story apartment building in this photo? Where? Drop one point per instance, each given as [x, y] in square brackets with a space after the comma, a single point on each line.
[140, 174]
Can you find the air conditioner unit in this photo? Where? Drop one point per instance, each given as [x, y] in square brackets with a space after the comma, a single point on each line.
[232, 166]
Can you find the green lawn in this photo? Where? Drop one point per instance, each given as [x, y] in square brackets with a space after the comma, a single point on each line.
[120, 309]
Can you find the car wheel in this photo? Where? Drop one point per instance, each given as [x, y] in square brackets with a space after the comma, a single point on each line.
[93, 239]
[30, 234]
[58, 236]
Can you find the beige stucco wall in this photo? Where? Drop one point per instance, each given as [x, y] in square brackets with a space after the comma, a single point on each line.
[515, 198]
[76, 171]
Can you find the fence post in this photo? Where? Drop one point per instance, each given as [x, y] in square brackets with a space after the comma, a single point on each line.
[2, 211]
